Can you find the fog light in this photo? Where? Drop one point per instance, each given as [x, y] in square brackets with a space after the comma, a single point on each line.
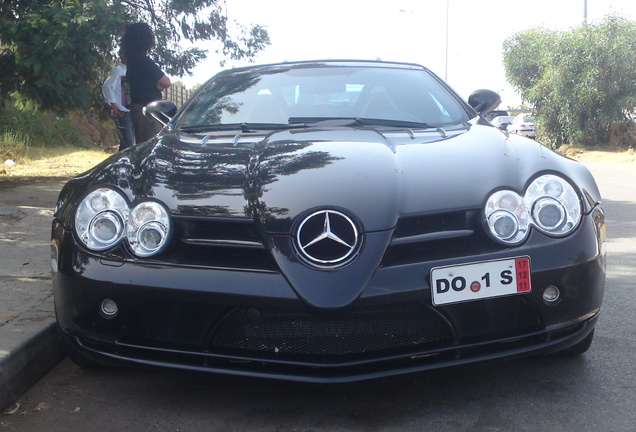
[551, 294]
[108, 308]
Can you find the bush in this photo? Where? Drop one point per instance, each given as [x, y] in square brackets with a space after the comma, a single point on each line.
[26, 127]
[13, 145]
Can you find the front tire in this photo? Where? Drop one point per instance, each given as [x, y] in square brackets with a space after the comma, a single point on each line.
[72, 352]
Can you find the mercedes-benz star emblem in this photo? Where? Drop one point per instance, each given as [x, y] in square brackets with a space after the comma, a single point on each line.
[327, 239]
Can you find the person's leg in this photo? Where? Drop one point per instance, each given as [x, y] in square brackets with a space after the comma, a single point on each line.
[136, 116]
[145, 128]
[126, 130]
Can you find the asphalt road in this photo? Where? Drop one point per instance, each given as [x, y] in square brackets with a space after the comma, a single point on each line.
[595, 392]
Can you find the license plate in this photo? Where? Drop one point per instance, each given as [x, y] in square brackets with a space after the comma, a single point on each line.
[454, 284]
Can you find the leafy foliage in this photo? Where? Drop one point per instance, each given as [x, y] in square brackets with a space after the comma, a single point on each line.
[56, 53]
[580, 82]
[53, 50]
[23, 130]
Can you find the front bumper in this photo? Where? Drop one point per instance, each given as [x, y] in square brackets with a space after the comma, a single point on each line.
[253, 323]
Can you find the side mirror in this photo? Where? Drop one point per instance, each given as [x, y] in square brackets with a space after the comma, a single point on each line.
[484, 101]
[161, 110]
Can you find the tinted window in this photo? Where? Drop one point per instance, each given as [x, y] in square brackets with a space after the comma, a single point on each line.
[276, 95]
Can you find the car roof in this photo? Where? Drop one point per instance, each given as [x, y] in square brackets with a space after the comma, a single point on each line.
[326, 63]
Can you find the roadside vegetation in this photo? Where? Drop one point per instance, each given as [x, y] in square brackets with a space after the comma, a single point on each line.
[37, 143]
[580, 82]
[54, 56]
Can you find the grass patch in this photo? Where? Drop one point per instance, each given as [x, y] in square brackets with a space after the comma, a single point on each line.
[600, 153]
[80, 129]
[43, 144]
[14, 145]
[51, 162]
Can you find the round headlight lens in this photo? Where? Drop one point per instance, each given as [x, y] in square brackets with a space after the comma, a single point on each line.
[105, 228]
[553, 187]
[556, 207]
[151, 236]
[548, 214]
[148, 228]
[99, 219]
[503, 224]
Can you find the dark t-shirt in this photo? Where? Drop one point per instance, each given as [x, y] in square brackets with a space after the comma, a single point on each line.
[143, 75]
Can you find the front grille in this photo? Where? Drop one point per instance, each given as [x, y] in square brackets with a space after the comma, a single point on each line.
[236, 243]
[438, 236]
[496, 318]
[217, 243]
[174, 325]
[326, 347]
[363, 332]
[304, 335]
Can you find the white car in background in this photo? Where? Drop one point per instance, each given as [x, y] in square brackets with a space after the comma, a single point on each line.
[523, 125]
[502, 122]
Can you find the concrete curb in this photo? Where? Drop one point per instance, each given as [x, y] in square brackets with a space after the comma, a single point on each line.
[29, 344]
[29, 348]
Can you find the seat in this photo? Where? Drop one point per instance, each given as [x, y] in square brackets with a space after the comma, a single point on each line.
[267, 108]
[379, 105]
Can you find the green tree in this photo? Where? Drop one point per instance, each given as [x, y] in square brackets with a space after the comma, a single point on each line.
[55, 53]
[580, 82]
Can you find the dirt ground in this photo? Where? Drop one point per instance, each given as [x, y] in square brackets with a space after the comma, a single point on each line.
[605, 154]
[44, 164]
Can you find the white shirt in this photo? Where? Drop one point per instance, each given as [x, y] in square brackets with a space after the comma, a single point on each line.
[112, 87]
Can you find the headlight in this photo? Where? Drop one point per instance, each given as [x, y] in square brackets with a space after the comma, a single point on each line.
[100, 219]
[550, 203]
[507, 216]
[148, 228]
[556, 207]
[103, 218]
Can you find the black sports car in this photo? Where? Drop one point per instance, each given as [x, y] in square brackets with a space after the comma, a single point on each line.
[328, 221]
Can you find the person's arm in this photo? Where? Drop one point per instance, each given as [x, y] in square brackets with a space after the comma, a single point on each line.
[116, 110]
[111, 86]
[163, 83]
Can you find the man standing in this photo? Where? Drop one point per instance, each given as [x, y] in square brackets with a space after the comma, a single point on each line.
[146, 79]
[115, 92]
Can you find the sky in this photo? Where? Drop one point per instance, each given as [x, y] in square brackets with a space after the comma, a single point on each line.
[412, 31]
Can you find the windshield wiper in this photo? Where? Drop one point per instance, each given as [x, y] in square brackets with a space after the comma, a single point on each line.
[243, 127]
[357, 121]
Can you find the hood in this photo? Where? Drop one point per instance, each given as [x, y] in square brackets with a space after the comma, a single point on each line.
[377, 177]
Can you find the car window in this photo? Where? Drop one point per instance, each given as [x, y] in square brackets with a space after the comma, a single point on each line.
[275, 96]
[495, 113]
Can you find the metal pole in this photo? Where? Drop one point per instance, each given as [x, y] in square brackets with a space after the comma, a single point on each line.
[584, 11]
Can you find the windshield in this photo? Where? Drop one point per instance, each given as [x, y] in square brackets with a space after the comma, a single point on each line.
[311, 94]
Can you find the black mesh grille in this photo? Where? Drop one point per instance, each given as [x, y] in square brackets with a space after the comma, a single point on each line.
[298, 335]
[495, 318]
[172, 324]
[408, 326]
